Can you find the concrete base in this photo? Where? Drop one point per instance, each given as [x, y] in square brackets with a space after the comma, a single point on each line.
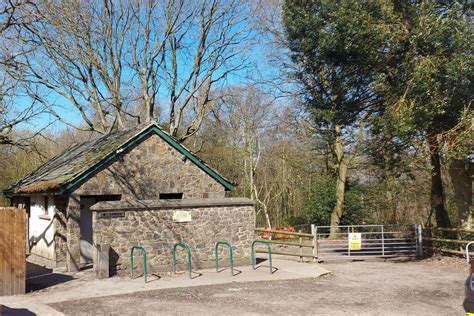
[85, 285]
[44, 262]
[155, 269]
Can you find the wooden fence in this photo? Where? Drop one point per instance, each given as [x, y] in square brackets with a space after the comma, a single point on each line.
[300, 241]
[447, 240]
[12, 251]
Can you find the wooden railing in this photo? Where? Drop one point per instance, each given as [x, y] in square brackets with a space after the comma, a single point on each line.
[298, 243]
[447, 240]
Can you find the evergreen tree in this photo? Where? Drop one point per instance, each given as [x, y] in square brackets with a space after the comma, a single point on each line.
[429, 91]
[337, 48]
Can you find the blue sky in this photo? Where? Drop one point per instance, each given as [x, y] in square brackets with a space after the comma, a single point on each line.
[258, 68]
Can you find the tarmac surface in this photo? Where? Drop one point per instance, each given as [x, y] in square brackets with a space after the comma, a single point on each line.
[426, 287]
[83, 286]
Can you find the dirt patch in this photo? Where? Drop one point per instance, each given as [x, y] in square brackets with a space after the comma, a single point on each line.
[453, 262]
[367, 288]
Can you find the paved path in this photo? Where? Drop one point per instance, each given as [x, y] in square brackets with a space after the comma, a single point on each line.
[354, 288]
[84, 286]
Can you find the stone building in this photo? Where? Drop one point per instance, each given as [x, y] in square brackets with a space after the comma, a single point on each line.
[143, 173]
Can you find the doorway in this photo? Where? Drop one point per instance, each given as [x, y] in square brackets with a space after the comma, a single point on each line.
[87, 241]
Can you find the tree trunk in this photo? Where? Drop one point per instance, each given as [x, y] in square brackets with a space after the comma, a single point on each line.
[267, 217]
[437, 192]
[336, 214]
[460, 174]
[390, 196]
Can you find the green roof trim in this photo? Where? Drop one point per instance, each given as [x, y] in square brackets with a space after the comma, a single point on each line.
[137, 139]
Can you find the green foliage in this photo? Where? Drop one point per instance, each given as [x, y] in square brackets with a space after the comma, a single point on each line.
[295, 220]
[409, 64]
[322, 199]
[336, 48]
[434, 77]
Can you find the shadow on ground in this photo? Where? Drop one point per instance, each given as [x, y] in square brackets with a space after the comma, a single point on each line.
[39, 278]
[7, 311]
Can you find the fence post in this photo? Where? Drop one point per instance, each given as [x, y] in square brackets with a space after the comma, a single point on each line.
[348, 241]
[419, 240]
[300, 241]
[314, 232]
[383, 241]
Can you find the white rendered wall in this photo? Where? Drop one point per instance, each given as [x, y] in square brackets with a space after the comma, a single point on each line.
[41, 228]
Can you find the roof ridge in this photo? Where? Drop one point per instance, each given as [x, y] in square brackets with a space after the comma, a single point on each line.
[78, 162]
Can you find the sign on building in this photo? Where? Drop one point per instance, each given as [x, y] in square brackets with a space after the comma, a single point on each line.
[181, 216]
[355, 241]
[112, 214]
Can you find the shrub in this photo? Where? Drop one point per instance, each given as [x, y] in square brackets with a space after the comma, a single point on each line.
[322, 199]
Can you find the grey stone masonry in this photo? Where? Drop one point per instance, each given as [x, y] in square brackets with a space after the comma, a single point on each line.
[151, 168]
[150, 224]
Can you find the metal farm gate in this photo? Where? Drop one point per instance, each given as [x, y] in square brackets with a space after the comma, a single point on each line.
[365, 241]
[12, 251]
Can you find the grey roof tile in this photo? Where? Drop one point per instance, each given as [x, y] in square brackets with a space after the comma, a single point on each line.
[73, 161]
[71, 164]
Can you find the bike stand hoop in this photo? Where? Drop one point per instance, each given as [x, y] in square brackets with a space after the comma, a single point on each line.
[188, 251]
[266, 243]
[132, 250]
[231, 254]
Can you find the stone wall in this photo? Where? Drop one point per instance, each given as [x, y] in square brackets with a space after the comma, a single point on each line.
[73, 234]
[150, 224]
[151, 168]
[60, 229]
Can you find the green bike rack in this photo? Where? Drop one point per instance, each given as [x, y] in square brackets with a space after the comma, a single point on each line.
[132, 250]
[188, 250]
[231, 253]
[263, 242]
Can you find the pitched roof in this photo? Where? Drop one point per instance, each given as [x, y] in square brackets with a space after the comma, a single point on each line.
[81, 161]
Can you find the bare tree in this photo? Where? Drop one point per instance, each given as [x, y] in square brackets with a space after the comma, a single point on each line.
[76, 59]
[13, 13]
[16, 109]
[248, 115]
[13, 115]
[90, 58]
[182, 50]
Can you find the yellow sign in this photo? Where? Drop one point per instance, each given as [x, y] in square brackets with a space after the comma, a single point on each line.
[181, 216]
[355, 241]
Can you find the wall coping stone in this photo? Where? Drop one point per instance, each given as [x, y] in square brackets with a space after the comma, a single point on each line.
[169, 204]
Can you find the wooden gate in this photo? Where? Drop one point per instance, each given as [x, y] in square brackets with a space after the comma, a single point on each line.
[12, 251]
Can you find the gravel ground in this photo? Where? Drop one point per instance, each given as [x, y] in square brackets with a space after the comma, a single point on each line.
[427, 287]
